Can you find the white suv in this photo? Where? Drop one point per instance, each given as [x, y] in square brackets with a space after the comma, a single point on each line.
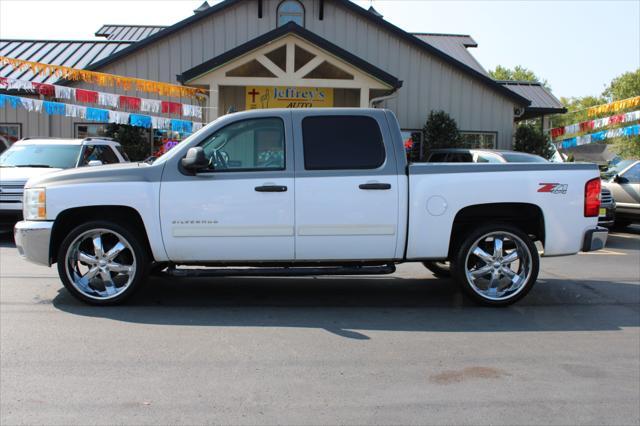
[32, 157]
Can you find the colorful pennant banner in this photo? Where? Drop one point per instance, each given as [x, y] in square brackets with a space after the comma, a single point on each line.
[598, 123]
[104, 99]
[602, 135]
[103, 79]
[101, 115]
[614, 106]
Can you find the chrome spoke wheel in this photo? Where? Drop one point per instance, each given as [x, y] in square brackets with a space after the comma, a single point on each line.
[498, 265]
[100, 264]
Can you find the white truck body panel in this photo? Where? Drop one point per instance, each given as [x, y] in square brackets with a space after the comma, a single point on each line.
[227, 220]
[365, 226]
[443, 188]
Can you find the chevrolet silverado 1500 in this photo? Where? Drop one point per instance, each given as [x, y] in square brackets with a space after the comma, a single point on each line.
[306, 192]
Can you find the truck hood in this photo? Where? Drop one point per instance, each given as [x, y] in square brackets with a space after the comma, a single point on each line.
[122, 172]
[22, 174]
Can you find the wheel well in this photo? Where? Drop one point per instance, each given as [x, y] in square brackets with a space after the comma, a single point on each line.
[527, 217]
[122, 215]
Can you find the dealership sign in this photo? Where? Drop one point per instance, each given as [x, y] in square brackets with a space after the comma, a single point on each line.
[288, 97]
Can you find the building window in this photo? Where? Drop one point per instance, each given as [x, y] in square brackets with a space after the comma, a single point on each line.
[83, 130]
[9, 133]
[290, 11]
[412, 141]
[485, 140]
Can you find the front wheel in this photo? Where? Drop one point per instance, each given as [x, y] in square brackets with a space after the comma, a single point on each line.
[497, 265]
[102, 263]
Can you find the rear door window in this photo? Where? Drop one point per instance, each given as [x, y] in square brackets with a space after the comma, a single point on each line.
[342, 143]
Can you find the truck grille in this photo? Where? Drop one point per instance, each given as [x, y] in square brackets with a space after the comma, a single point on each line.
[605, 196]
[11, 192]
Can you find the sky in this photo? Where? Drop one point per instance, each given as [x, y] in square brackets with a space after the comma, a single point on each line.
[578, 46]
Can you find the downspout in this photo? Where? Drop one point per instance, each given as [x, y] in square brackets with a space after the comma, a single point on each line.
[374, 101]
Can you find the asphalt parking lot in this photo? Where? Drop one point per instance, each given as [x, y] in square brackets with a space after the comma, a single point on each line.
[401, 349]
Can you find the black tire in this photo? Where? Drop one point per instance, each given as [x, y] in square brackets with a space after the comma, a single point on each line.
[439, 269]
[463, 257]
[136, 250]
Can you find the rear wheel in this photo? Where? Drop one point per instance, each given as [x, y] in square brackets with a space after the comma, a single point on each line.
[439, 269]
[102, 263]
[497, 265]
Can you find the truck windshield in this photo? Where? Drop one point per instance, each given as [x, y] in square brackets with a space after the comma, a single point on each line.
[54, 156]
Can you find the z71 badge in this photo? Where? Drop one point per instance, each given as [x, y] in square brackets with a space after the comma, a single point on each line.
[554, 188]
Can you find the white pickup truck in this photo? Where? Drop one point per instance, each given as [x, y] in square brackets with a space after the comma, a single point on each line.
[306, 192]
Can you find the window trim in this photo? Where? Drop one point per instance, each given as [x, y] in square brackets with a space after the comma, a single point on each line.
[481, 132]
[380, 166]
[246, 170]
[304, 13]
[19, 125]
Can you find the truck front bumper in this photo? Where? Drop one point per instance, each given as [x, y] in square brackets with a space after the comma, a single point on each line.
[33, 239]
[595, 239]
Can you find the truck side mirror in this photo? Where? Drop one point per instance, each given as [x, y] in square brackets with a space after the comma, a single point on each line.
[195, 160]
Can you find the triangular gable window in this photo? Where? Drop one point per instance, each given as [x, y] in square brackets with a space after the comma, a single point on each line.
[252, 68]
[328, 71]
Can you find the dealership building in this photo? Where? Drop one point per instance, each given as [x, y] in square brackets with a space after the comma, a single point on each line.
[286, 53]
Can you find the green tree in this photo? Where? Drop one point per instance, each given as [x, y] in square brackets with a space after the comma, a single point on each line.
[529, 138]
[518, 73]
[624, 86]
[133, 139]
[626, 147]
[441, 131]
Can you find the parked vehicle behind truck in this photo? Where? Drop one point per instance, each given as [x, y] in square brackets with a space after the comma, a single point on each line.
[306, 192]
[28, 158]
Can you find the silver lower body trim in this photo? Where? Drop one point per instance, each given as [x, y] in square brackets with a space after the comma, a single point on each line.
[33, 239]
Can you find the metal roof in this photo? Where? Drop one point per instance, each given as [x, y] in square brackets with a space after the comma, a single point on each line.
[542, 100]
[128, 32]
[69, 53]
[454, 45]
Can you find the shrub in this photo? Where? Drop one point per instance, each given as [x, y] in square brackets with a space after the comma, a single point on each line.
[133, 140]
[529, 138]
[441, 131]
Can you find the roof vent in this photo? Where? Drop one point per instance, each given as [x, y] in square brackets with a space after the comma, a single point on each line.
[374, 12]
[204, 6]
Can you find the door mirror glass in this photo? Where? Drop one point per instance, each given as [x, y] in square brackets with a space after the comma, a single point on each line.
[94, 163]
[195, 160]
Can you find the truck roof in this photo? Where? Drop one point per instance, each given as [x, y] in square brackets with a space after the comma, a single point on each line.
[63, 141]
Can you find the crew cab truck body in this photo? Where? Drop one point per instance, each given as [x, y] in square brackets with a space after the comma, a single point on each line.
[314, 191]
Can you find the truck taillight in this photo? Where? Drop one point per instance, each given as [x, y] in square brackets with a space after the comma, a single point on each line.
[592, 198]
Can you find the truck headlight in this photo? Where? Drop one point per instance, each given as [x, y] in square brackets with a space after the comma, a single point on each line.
[35, 204]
